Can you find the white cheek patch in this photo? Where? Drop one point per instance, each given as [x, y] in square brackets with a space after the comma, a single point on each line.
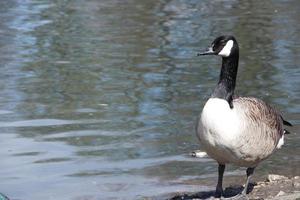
[225, 52]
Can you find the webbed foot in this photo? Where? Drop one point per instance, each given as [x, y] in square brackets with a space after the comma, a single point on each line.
[219, 192]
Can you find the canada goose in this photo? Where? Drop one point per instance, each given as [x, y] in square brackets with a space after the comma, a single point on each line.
[240, 130]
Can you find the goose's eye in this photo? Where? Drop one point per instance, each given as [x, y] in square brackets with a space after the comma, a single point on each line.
[222, 42]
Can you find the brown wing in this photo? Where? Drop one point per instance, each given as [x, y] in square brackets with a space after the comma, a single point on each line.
[262, 116]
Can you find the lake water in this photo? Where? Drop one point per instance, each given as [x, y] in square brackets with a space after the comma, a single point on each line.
[99, 99]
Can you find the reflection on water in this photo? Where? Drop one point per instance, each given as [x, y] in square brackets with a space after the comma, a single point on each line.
[99, 100]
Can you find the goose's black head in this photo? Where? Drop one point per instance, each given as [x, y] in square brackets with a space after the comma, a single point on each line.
[225, 46]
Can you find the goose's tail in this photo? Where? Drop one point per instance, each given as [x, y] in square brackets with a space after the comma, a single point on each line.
[281, 140]
[286, 123]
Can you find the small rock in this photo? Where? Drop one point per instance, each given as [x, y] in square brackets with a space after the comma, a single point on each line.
[297, 177]
[296, 184]
[198, 154]
[281, 193]
[257, 186]
[275, 177]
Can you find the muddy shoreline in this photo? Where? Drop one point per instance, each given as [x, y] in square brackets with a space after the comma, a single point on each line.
[276, 187]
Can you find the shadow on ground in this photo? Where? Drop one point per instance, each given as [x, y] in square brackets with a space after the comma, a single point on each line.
[229, 192]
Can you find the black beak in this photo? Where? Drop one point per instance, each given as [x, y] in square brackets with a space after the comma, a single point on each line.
[207, 52]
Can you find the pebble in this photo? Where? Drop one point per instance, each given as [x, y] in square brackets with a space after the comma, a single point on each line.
[296, 184]
[198, 154]
[275, 177]
[280, 193]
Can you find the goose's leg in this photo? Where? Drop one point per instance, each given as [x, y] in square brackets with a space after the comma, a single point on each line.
[249, 172]
[243, 195]
[219, 188]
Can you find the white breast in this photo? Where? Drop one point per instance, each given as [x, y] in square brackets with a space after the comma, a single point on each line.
[219, 129]
[220, 122]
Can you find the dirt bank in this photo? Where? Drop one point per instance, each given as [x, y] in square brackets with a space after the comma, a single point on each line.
[276, 187]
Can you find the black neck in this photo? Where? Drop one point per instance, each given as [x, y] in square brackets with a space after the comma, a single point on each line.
[226, 84]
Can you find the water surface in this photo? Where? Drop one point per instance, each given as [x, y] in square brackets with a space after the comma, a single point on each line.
[99, 99]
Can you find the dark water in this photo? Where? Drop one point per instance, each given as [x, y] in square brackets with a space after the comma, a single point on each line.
[99, 99]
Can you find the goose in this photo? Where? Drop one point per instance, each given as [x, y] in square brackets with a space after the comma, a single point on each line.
[242, 131]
